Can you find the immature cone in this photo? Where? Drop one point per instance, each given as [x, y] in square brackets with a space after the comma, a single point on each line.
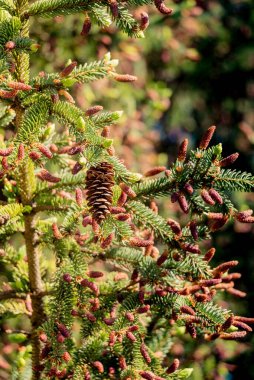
[228, 160]
[174, 366]
[99, 182]
[113, 7]
[162, 8]
[207, 137]
[86, 26]
[182, 151]
[144, 21]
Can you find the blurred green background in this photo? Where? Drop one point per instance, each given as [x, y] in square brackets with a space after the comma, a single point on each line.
[195, 68]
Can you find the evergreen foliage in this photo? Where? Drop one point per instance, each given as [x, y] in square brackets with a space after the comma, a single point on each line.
[156, 275]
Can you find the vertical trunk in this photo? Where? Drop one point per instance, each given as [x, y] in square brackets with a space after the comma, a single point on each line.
[26, 184]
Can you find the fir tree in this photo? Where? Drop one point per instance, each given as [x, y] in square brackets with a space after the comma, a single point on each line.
[64, 191]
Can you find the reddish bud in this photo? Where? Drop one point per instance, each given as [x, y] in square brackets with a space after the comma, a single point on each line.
[44, 150]
[228, 160]
[194, 230]
[174, 197]
[5, 164]
[174, 366]
[222, 268]
[163, 257]
[94, 274]
[236, 292]
[68, 69]
[206, 197]
[205, 141]
[143, 309]
[109, 321]
[215, 215]
[107, 241]
[113, 7]
[95, 228]
[45, 351]
[8, 94]
[138, 242]
[216, 196]
[112, 338]
[124, 78]
[188, 188]
[86, 26]
[117, 210]
[129, 316]
[43, 337]
[155, 171]
[122, 362]
[122, 217]
[99, 366]
[134, 275]
[87, 376]
[187, 310]
[128, 190]
[21, 152]
[53, 148]
[96, 304]
[245, 216]
[193, 248]
[234, 335]
[218, 222]
[183, 203]
[122, 199]
[133, 328]
[86, 221]
[105, 132]
[209, 254]
[10, 45]
[147, 375]
[243, 319]
[90, 316]
[60, 338]
[19, 86]
[75, 150]
[6, 152]
[34, 155]
[46, 176]
[67, 277]
[144, 21]
[162, 7]
[130, 336]
[67, 96]
[182, 151]
[63, 330]
[91, 285]
[57, 234]
[190, 328]
[76, 168]
[175, 226]
[242, 325]
[79, 196]
[93, 110]
[212, 282]
[66, 356]
[228, 322]
[145, 353]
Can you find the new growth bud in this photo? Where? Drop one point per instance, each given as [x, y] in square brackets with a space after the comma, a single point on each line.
[205, 141]
[162, 7]
[182, 151]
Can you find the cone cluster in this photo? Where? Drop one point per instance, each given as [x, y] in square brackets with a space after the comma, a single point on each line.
[99, 182]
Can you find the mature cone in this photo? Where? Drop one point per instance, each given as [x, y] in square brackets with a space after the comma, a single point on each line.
[99, 182]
